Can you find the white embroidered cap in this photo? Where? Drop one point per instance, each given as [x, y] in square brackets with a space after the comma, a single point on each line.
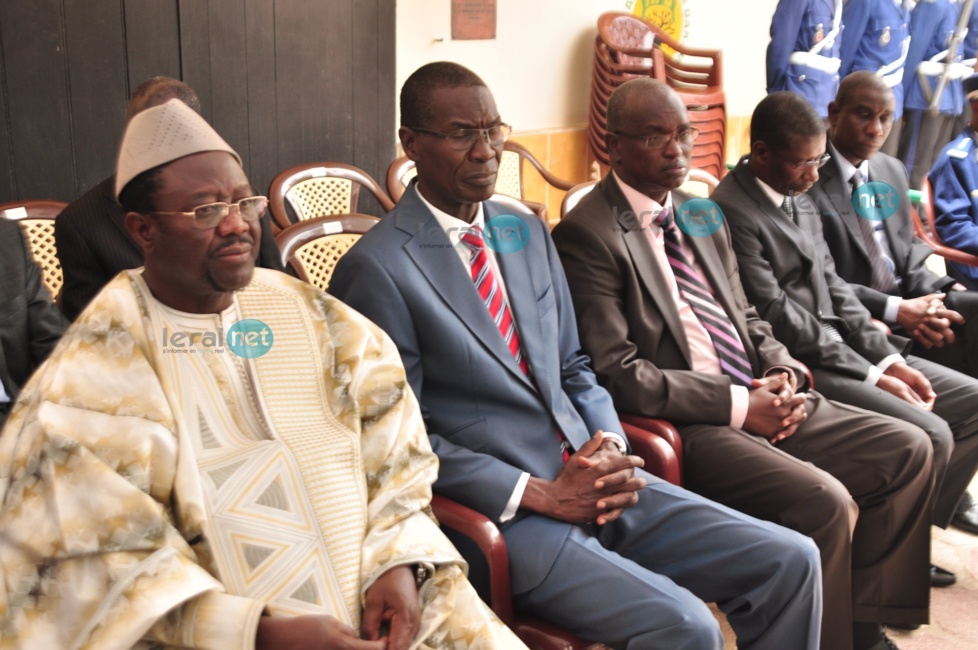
[163, 134]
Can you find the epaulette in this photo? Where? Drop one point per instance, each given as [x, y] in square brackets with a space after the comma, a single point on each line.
[961, 148]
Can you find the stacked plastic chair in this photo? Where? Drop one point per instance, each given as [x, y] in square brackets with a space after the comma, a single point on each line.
[628, 47]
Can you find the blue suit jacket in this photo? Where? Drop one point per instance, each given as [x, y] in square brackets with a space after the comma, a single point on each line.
[874, 39]
[487, 422]
[932, 23]
[954, 180]
[797, 25]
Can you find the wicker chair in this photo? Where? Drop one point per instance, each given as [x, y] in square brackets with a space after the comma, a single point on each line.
[37, 220]
[314, 246]
[320, 189]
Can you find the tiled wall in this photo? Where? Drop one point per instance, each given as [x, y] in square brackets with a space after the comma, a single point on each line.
[564, 152]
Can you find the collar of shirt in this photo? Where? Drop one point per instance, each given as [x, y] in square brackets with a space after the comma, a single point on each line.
[846, 167]
[455, 228]
[642, 205]
[777, 198]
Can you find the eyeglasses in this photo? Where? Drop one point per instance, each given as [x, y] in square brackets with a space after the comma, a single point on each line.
[465, 139]
[817, 163]
[684, 137]
[210, 214]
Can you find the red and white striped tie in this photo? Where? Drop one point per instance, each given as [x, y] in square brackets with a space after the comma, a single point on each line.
[492, 296]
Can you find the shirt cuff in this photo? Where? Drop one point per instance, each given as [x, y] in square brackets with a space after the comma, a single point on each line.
[618, 439]
[514, 500]
[213, 621]
[875, 372]
[739, 404]
[892, 309]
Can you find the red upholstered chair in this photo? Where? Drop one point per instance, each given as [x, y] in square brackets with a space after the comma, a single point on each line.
[656, 441]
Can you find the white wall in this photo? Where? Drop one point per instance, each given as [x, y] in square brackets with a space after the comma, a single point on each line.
[539, 65]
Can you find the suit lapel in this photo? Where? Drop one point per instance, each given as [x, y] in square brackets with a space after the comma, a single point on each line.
[635, 234]
[773, 213]
[839, 195]
[434, 255]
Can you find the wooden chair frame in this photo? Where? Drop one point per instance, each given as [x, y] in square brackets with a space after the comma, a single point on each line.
[284, 183]
[291, 239]
[36, 219]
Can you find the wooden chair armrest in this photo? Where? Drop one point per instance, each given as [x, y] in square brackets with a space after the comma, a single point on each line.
[487, 537]
[658, 443]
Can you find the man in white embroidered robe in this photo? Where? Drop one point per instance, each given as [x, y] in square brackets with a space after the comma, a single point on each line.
[217, 456]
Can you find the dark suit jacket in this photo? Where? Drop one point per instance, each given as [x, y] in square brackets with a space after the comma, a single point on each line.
[629, 322]
[30, 325]
[788, 274]
[487, 422]
[94, 246]
[840, 227]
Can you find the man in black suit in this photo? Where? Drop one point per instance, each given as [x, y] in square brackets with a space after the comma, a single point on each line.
[880, 258]
[30, 325]
[789, 276]
[93, 245]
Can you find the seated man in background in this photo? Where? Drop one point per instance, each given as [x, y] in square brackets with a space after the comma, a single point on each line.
[30, 325]
[663, 315]
[874, 248]
[789, 276]
[219, 456]
[93, 244]
[478, 306]
[953, 180]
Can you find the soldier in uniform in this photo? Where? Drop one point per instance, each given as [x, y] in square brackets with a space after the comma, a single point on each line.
[877, 38]
[804, 52]
[932, 27]
[969, 50]
[954, 180]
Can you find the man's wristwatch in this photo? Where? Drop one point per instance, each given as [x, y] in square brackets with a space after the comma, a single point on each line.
[421, 573]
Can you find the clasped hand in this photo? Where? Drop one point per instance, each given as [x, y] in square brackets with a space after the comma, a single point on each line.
[928, 321]
[596, 484]
[775, 411]
[390, 608]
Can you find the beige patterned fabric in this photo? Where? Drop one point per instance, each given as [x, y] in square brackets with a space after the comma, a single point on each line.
[160, 491]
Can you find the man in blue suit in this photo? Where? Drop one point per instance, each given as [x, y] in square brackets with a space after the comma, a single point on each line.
[803, 55]
[954, 180]
[932, 27]
[877, 39]
[489, 341]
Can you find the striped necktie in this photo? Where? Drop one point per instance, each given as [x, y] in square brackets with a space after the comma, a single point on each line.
[726, 341]
[883, 276]
[492, 297]
[788, 207]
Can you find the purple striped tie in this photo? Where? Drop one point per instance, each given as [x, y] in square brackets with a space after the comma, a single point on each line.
[726, 341]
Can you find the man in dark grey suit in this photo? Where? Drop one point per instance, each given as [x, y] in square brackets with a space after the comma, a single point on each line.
[30, 325]
[882, 260]
[658, 344]
[93, 244]
[489, 342]
[788, 274]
